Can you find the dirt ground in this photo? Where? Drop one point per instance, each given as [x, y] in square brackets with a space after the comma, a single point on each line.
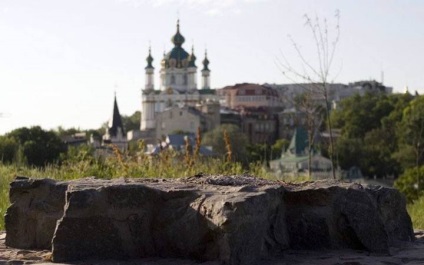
[411, 254]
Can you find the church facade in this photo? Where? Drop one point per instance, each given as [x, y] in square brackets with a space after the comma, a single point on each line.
[178, 85]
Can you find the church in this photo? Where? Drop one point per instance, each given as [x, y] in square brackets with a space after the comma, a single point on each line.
[178, 87]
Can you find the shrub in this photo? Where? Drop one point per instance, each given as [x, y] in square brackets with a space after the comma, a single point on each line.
[411, 183]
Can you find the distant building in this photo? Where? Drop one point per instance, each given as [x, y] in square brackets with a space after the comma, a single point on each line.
[260, 125]
[290, 119]
[249, 96]
[115, 131]
[188, 119]
[75, 139]
[179, 143]
[177, 88]
[295, 159]
[371, 86]
[336, 91]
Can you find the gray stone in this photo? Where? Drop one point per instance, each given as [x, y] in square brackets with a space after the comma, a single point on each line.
[329, 214]
[229, 219]
[36, 205]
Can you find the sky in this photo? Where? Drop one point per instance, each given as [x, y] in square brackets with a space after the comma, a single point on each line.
[61, 61]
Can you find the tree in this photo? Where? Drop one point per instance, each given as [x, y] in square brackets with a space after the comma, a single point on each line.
[410, 184]
[313, 113]
[8, 149]
[60, 131]
[318, 76]
[411, 135]
[278, 147]
[369, 127]
[132, 122]
[237, 139]
[39, 147]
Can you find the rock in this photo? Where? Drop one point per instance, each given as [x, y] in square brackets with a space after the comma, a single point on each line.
[168, 219]
[328, 214]
[36, 205]
[392, 211]
[230, 219]
[411, 253]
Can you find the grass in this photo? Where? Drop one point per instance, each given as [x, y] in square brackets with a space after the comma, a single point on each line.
[416, 211]
[167, 165]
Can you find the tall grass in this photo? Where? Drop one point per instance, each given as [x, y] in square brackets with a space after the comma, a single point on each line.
[168, 164]
[416, 211]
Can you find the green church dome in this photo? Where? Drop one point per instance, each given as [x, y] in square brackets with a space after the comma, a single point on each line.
[178, 39]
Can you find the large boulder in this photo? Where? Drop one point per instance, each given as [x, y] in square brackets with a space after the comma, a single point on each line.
[231, 219]
[36, 205]
[332, 214]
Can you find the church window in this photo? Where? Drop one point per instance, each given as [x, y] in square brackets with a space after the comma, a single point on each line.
[185, 79]
[172, 79]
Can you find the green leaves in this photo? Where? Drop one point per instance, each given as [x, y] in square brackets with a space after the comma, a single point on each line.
[372, 133]
[34, 146]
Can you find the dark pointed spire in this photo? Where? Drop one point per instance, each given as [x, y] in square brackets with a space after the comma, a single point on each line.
[178, 39]
[206, 62]
[192, 58]
[149, 60]
[115, 124]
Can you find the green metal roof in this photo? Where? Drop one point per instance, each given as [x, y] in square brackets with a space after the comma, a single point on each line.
[299, 142]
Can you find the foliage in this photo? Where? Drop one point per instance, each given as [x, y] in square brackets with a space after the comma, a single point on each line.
[416, 211]
[411, 132]
[370, 135]
[79, 162]
[132, 122]
[358, 115]
[8, 149]
[236, 138]
[411, 183]
[60, 131]
[34, 146]
[278, 148]
[264, 152]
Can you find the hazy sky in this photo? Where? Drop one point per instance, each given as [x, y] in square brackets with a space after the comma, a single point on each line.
[61, 61]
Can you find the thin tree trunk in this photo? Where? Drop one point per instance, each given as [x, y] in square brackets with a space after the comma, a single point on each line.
[330, 128]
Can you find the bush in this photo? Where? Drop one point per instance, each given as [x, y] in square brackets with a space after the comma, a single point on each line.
[411, 183]
[416, 211]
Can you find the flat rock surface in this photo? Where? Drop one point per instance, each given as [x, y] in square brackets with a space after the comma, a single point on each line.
[410, 253]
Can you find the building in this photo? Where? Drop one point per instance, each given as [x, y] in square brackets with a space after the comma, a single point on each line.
[177, 88]
[179, 143]
[335, 91]
[295, 160]
[250, 96]
[115, 131]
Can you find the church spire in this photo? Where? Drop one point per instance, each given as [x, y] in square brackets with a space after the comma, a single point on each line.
[178, 39]
[206, 83]
[115, 126]
[192, 58]
[149, 60]
[206, 62]
[149, 72]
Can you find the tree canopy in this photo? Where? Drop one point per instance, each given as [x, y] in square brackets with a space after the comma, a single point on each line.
[372, 132]
[237, 140]
[34, 146]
